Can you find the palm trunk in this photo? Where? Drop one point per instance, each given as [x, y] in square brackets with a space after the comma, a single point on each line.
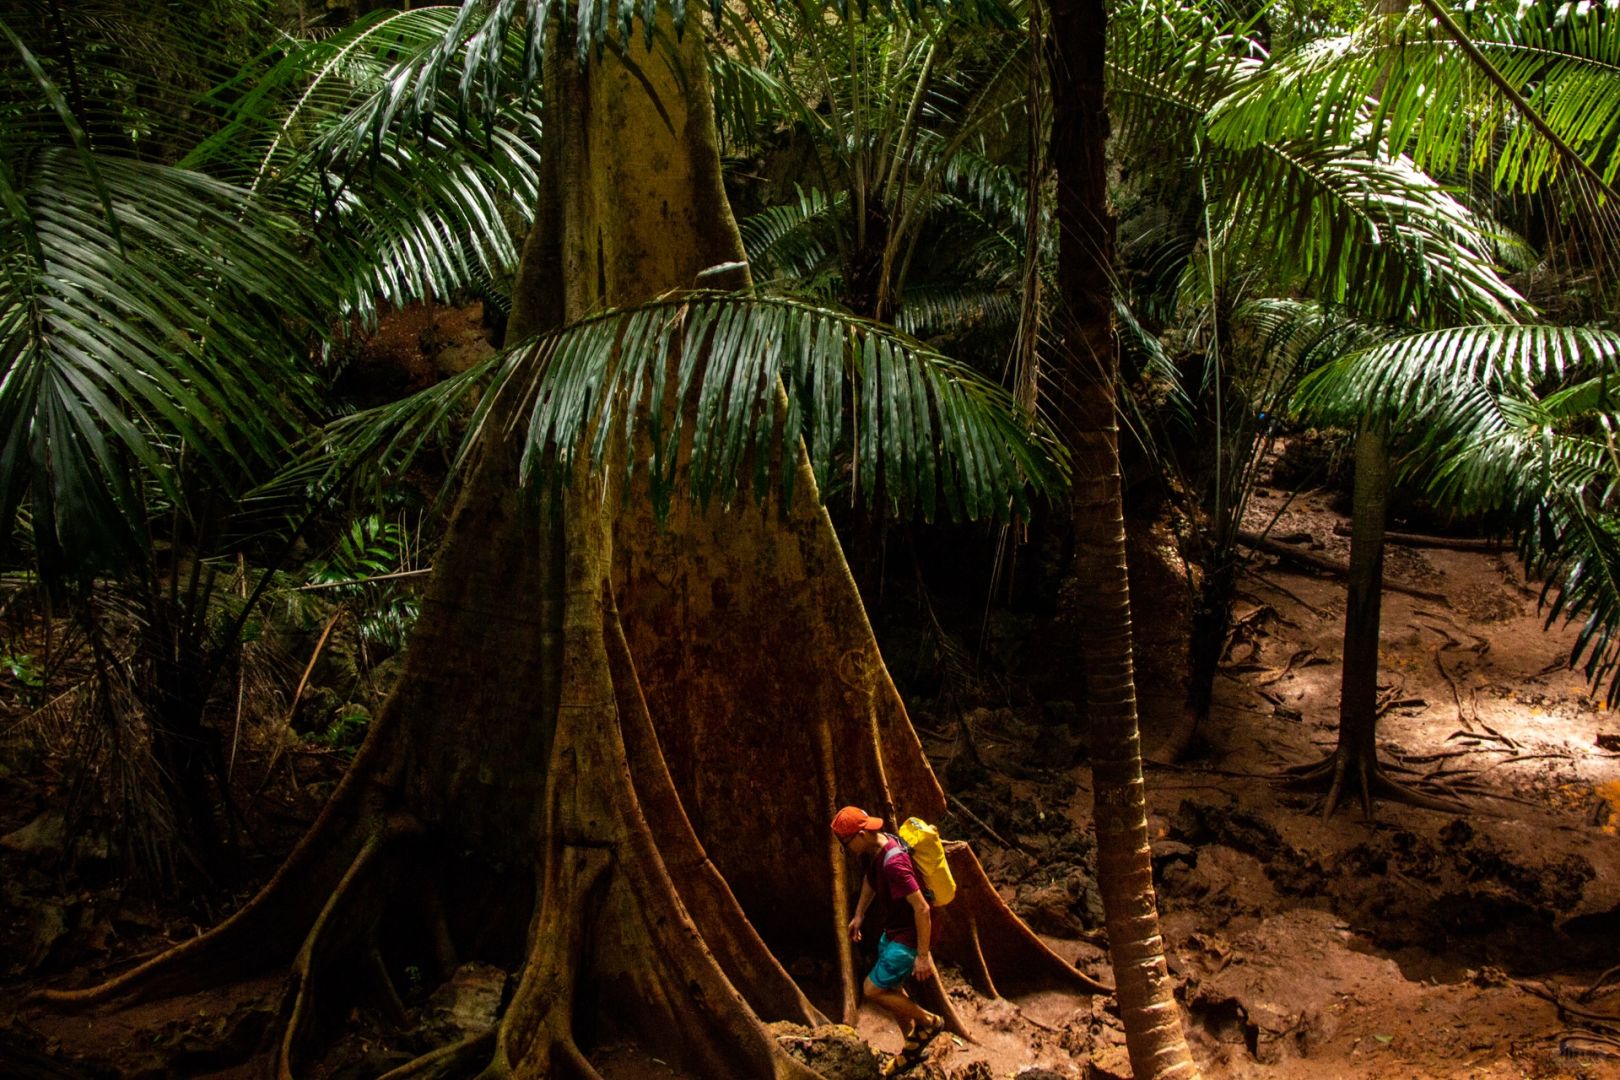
[1353, 765]
[1358, 692]
[1090, 380]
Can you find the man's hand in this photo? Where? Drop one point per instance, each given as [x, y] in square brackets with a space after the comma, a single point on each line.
[924, 969]
[855, 928]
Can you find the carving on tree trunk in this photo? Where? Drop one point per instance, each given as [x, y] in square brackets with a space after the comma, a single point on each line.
[628, 736]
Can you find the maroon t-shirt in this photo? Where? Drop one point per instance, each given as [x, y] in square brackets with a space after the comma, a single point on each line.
[893, 878]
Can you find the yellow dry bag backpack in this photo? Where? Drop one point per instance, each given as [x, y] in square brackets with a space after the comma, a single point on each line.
[928, 856]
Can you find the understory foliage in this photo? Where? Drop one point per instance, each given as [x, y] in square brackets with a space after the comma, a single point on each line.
[1378, 185]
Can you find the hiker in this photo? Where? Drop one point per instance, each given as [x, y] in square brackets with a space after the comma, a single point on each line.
[890, 880]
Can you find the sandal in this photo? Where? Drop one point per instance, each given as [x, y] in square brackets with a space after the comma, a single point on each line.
[923, 1033]
[897, 1064]
[911, 1052]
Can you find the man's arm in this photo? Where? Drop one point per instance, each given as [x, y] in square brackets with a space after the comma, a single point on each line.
[868, 894]
[925, 924]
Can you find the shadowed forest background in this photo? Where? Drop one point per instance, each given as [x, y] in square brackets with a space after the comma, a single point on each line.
[482, 484]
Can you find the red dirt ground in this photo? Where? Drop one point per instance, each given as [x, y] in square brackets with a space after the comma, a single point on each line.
[1416, 944]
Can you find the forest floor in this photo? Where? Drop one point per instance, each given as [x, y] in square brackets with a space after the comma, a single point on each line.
[1415, 944]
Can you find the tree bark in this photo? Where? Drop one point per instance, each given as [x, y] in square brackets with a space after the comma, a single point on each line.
[1354, 761]
[616, 741]
[1358, 694]
[1355, 758]
[1089, 380]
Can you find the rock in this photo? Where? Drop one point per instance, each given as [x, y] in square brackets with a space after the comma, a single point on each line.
[1047, 911]
[1000, 1014]
[45, 835]
[1065, 908]
[1038, 1072]
[1169, 851]
[973, 1070]
[48, 925]
[836, 1051]
[466, 1004]
[468, 351]
[1109, 1063]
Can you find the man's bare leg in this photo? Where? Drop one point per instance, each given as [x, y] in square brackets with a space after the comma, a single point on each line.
[905, 1011]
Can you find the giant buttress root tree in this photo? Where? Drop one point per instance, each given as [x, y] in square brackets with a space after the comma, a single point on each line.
[616, 744]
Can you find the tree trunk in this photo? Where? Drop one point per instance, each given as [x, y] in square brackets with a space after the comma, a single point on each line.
[1211, 624]
[1354, 760]
[616, 743]
[1358, 694]
[1089, 381]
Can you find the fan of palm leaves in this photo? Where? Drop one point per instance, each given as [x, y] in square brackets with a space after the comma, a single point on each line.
[1517, 421]
[1320, 211]
[1424, 95]
[1413, 374]
[134, 320]
[410, 203]
[693, 381]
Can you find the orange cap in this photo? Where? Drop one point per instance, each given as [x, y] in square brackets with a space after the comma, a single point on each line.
[851, 820]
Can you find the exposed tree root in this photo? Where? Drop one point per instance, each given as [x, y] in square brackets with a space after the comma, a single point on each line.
[978, 925]
[345, 929]
[452, 1059]
[1364, 774]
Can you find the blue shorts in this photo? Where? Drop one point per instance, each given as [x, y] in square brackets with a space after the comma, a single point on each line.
[894, 963]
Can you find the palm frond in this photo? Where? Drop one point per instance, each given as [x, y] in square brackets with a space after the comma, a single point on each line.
[693, 383]
[791, 238]
[703, 371]
[114, 348]
[1548, 466]
[1375, 234]
[1417, 374]
[1169, 63]
[928, 309]
[1423, 96]
[410, 205]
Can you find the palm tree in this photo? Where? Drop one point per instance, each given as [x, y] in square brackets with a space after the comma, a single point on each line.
[1510, 420]
[1419, 70]
[901, 129]
[1088, 374]
[1229, 213]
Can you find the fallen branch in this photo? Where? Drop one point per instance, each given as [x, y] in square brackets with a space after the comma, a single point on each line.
[1328, 566]
[1572, 1043]
[971, 816]
[1421, 540]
